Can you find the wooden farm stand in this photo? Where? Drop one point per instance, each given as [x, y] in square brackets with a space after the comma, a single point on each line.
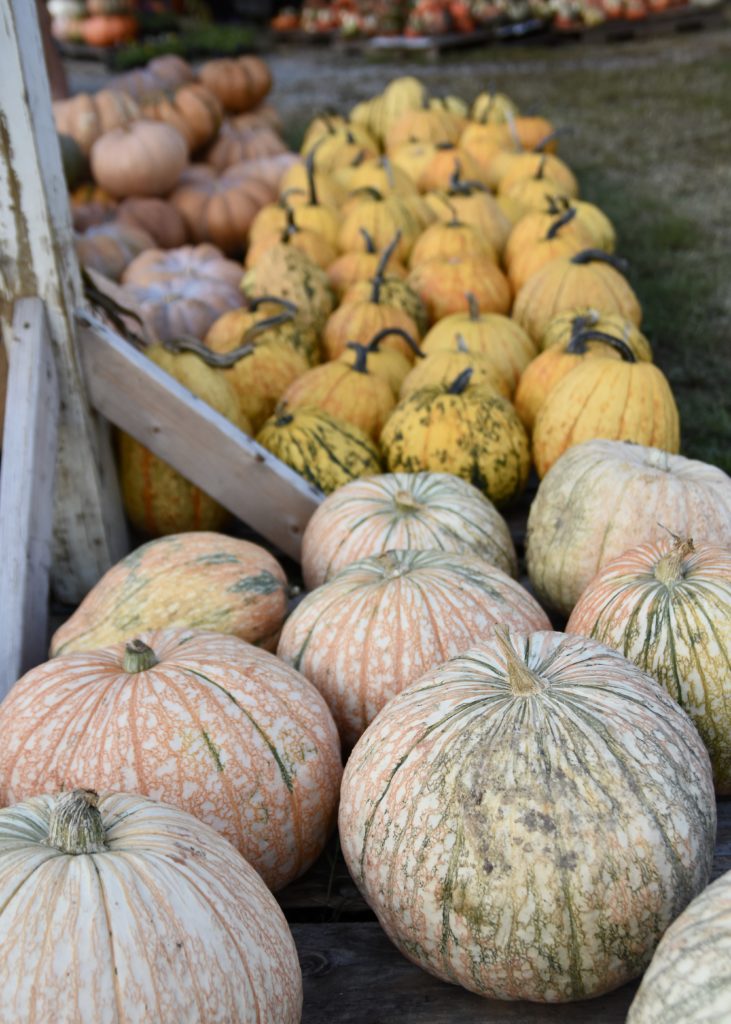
[61, 520]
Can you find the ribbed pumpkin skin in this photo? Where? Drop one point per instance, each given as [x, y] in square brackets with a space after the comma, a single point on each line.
[169, 921]
[380, 623]
[406, 511]
[322, 449]
[358, 397]
[688, 980]
[442, 367]
[530, 846]
[561, 327]
[603, 497]
[610, 399]
[290, 274]
[668, 609]
[219, 728]
[198, 580]
[475, 435]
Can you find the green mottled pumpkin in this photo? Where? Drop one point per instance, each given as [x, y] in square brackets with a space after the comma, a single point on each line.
[326, 451]
[197, 580]
[460, 428]
[528, 818]
[667, 607]
[289, 273]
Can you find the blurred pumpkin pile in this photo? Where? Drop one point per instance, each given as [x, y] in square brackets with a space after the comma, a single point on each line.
[95, 22]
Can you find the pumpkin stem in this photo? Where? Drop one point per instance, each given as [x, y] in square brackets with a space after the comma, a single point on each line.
[75, 824]
[461, 343]
[566, 216]
[368, 190]
[219, 360]
[138, 657]
[368, 239]
[541, 168]
[386, 331]
[547, 139]
[405, 501]
[669, 568]
[361, 356]
[381, 267]
[458, 186]
[473, 306]
[522, 681]
[310, 169]
[460, 383]
[577, 345]
[599, 256]
[388, 168]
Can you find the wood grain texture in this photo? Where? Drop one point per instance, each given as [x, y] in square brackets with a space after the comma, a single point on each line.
[26, 493]
[201, 444]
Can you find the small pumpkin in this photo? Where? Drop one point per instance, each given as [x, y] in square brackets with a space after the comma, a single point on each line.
[276, 217]
[603, 497]
[265, 318]
[109, 248]
[383, 219]
[444, 365]
[472, 204]
[539, 166]
[86, 117]
[221, 210]
[287, 273]
[316, 246]
[418, 608]
[562, 327]
[192, 109]
[344, 147]
[233, 728]
[423, 125]
[235, 145]
[403, 511]
[357, 265]
[198, 580]
[464, 429]
[400, 95]
[175, 882]
[109, 29]
[381, 174]
[451, 239]
[412, 157]
[483, 142]
[448, 162]
[143, 158]
[531, 229]
[554, 244]
[392, 291]
[493, 108]
[237, 82]
[443, 284]
[159, 218]
[389, 363]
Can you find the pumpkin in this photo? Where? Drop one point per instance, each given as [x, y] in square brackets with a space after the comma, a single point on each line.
[232, 146]
[356, 265]
[110, 248]
[359, 321]
[493, 108]
[443, 366]
[418, 608]
[165, 72]
[472, 205]
[346, 147]
[447, 163]
[241, 741]
[535, 133]
[383, 219]
[412, 157]
[406, 511]
[90, 206]
[596, 222]
[603, 497]
[351, 393]
[451, 239]
[554, 244]
[321, 125]
[490, 146]
[287, 273]
[392, 291]
[296, 184]
[443, 284]
[322, 449]
[474, 818]
[622, 400]
[316, 246]
[193, 109]
[182, 291]
[504, 342]
[388, 363]
[269, 170]
[239, 83]
[423, 125]
[115, 876]
[554, 363]
[538, 166]
[189, 580]
[400, 95]
[461, 428]
[534, 228]
[85, 117]
[380, 174]
[589, 278]
[275, 217]
[160, 219]
[221, 210]
[108, 29]
[144, 158]
[264, 319]
[562, 327]
[687, 981]
[667, 607]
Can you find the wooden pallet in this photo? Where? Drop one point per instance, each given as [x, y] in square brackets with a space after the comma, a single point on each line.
[354, 975]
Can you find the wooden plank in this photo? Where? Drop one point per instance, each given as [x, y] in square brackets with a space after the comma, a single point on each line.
[201, 444]
[38, 259]
[26, 493]
[354, 975]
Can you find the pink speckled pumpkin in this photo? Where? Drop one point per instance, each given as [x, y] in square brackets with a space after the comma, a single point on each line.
[203, 721]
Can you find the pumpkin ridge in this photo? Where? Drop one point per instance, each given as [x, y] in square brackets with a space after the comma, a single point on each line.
[108, 920]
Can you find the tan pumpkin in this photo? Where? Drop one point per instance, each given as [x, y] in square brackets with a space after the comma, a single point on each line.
[403, 511]
[143, 158]
[237, 82]
[443, 285]
[261, 114]
[110, 248]
[482, 842]
[460, 428]
[193, 109]
[232, 146]
[266, 169]
[603, 497]
[383, 219]
[87, 117]
[159, 218]
[419, 608]
[590, 278]
[175, 882]
[221, 210]
[243, 729]
[357, 265]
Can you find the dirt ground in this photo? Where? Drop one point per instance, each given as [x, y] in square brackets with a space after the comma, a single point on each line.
[649, 135]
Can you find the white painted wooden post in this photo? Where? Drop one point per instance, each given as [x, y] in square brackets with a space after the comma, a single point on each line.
[37, 259]
[26, 493]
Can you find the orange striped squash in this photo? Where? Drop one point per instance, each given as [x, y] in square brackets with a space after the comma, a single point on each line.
[414, 511]
[667, 607]
[528, 818]
[196, 580]
[382, 622]
[126, 909]
[203, 721]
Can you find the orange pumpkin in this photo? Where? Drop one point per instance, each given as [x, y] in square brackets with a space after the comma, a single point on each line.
[446, 365]
[316, 246]
[447, 163]
[562, 327]
[538, 167]
[221, 210]
[193, 109]
[143, 158]
[383, 219]
[533, 228]
[240, 83]
[241, 741]
[423, 125]
[356, 265]
[108, 29]
[443, 283]
[553, 245]
[475, 205]
[451, 239]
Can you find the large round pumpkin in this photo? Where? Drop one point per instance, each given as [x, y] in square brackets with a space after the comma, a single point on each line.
[528, 818]
[667, 607]
[200, 720]
[603, 497]
[380, 623]
[409, 511]
[688, 980]
[202, 580]
[157, 916]
[143, 158]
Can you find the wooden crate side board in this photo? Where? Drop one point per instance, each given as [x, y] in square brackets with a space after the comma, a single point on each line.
[26, 493]
[137, 396]
[38, 259]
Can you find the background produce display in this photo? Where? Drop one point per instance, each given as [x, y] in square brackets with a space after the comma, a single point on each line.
[416, 312]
